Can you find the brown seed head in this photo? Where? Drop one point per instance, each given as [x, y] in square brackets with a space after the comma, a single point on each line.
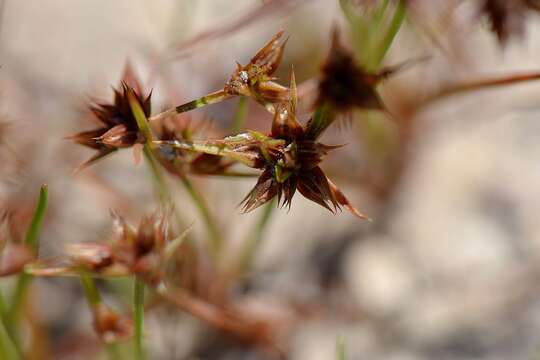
[295, 166]
[118, 125]
[255, 79]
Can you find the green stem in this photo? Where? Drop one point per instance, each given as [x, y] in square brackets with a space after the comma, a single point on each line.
[142, 123]
[160, 182]
[31, 239]
[395, 24]
[90, 290]
[138, 318]
[3, 308]
[321, 120]
[359, 29]
[8, 349]
[24, 280]
[375, 29]
[215, 239]
[255, 239]
[212, 98]
[341, 353]
[239, 115]
[481, 84]
[94, 299]
[379, 14]
[217, 148]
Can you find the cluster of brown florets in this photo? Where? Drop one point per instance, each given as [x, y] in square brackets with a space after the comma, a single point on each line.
[289, 155]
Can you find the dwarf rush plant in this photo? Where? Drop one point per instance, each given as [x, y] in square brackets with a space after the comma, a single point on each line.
[278, 136]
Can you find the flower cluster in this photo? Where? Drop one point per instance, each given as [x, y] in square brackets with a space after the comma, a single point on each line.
[118, 126]
[289, 156]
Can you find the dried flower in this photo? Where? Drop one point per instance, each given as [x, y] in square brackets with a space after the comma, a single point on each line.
[141, 251]
[109, 325]
[255, 79]
[289, 157]
[118, 125]
[295, 167]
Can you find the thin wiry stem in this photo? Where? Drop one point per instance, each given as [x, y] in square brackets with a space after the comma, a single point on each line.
[239, 115]
[24, 280]
[481, 84]
[31, 239]
[8, 348]
[94, 300]
[138, 318]
[213, 148]
[395, 25]
[90, 290]
[212, 98]
[375, 28]
[215, 239]
[211, 225]
[341, 354]
[256, 236]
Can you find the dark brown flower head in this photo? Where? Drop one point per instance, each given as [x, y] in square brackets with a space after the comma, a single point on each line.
[295, 167]
[255, 79]
[118, 127]
[345, 84]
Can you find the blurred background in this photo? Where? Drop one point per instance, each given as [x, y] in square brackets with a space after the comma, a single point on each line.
[448, 269]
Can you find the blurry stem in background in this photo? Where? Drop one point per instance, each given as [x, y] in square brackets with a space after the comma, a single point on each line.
[481, 84]
[253, 242]
[8, 350]
[94, 300]
[371, 47]
[321, 120]
[378, 17]
[211, 225]
[31, 240]
[391, 32]
[341, 354]
[379, 13]
[157, 175]
[138, 318]
[215, 240]
[359, 29]
[239, 115]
